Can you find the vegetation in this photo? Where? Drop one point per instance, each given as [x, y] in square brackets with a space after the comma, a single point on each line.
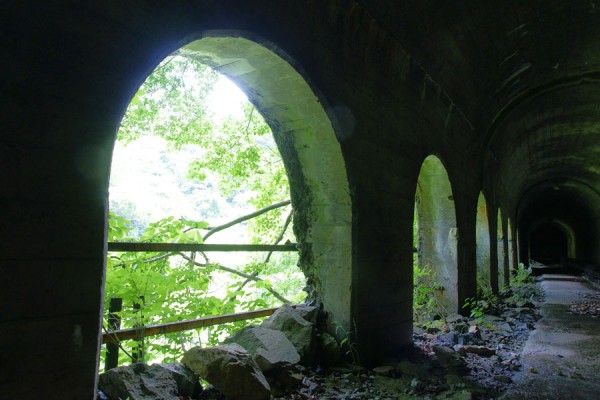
[240, 156]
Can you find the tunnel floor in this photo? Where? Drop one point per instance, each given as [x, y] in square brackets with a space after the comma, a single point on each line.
[561, 358]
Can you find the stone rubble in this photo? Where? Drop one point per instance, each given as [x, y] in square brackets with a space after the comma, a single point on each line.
[288, 358]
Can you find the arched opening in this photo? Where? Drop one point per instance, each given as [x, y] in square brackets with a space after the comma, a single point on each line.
[549, 244]
[511, 248]
[483, 247]
[502, 275]
[311, 154]
[437, 232]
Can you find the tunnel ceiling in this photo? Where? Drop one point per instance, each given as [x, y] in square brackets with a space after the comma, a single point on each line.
[527, 75]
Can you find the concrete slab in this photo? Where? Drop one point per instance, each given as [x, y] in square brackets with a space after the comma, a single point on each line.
[561, 359]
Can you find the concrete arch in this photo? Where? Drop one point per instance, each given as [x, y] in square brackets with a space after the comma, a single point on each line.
[437, 231]
[559, 241]
[482, 231]
[311, 154]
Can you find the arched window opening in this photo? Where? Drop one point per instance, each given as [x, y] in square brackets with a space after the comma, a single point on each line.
[511, 249]
[549, 244]
[502, 273]
[483, 247]
[237, 156]
[437, 236]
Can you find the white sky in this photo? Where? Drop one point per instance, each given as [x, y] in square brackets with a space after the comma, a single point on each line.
[226, 98]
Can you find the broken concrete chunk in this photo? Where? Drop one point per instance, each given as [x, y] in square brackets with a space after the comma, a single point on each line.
[231, 369]
[447, 357]
[309, 313]
[270, 348]
[298, 330]
[148, 382]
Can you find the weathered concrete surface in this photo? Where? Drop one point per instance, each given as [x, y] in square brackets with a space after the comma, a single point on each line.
[561, 359]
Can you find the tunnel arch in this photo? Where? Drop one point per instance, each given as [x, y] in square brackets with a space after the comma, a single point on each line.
[307, 141]
[551, 241]
[482, 230]
[437, 230]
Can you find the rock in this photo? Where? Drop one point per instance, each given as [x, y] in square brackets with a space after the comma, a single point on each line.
[389, 385]
[140, 381]
[454, 318]
[284, 379]
[297, 329]
[525, 304]
[461, 328]
[503, 378]
[432, 330]
[447, 357]
[410, 370]
[309, 313]
[503, 329]
[329, 351]
[526, 311]
[385, 370]
[270, 348]
[211, 393]
[479, 350]
[231, 369]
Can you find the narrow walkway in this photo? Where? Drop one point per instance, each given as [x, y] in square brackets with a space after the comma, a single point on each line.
[561, 359]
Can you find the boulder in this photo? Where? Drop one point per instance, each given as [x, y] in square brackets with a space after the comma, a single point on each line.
[270, 348]
[285, 379]
[297, 329]
[149, 382]
[309, 313]
[231, 369]
[455, 318]
[447, 357]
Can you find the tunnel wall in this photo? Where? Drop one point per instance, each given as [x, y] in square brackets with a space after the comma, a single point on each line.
[68, 83]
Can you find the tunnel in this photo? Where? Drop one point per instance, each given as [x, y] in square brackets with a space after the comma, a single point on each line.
[359, 93]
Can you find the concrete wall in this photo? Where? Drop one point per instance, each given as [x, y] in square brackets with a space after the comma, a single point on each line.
[70, 72]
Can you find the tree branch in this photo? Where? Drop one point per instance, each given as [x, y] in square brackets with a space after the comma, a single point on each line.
[236, 221]
[287, 222]
[239, 273]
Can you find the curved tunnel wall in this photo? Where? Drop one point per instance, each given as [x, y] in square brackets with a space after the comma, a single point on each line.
[568, 211]
[311, 154]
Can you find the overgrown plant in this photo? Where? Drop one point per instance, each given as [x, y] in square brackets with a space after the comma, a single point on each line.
[240, 155]
[425, 302]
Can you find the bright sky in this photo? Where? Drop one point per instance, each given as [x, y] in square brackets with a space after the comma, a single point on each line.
[226, 98]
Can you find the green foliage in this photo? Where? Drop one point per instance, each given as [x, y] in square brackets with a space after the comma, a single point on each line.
[425, 302]
[522, 275]
[522, 286]
[166, 287]
[171, 103]
[477, 309]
